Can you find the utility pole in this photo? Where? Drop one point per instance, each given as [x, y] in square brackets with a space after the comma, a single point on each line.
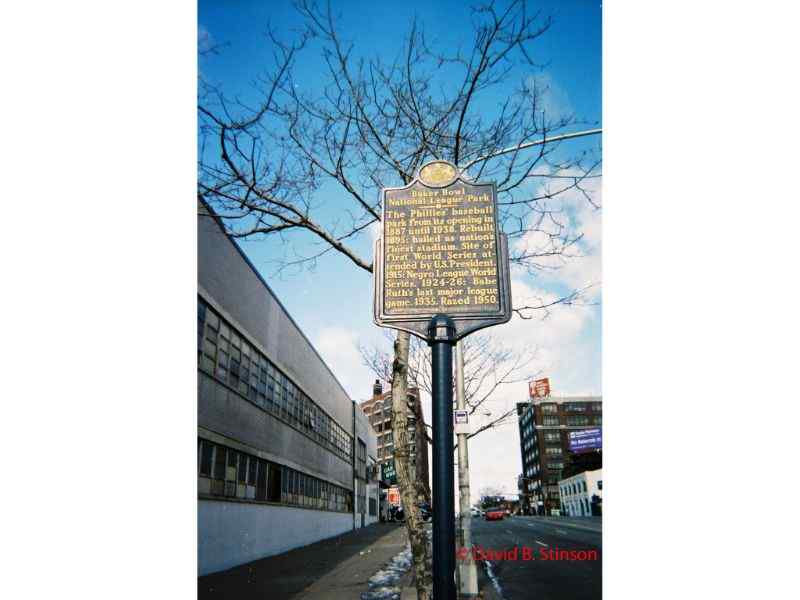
[468, 572]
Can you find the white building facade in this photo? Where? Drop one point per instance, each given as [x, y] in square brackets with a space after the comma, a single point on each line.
[577, 492]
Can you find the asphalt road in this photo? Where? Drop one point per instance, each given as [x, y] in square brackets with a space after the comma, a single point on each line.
[542, 579]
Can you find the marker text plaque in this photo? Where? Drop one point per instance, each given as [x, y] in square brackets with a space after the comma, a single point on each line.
[441, 252]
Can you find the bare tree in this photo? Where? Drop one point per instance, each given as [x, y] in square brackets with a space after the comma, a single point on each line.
[267, 167]
[489, 366]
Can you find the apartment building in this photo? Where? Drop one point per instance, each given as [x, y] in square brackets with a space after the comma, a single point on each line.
[379, 411]
[544, 426]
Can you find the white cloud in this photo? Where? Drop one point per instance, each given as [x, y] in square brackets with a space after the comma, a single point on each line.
[339, 349]
[580, 266]
[553, 99]
[204, 39]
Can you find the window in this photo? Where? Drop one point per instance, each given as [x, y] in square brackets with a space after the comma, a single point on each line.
[261, 482]
[598, 420]
[361, 458]
[552, 436]
[576, 407]
[549, 409]
[551, 420]
[219, 463]
[553, 451]
[597, 406]
[243, 468]
[240, 475]
[578, 420]
[230, 358]
[252, 474]
[206, 452]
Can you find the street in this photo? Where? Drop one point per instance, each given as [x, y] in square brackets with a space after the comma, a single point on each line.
[542, 579]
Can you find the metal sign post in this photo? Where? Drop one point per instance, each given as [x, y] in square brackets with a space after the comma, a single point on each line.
[441, 272]
[441, 336]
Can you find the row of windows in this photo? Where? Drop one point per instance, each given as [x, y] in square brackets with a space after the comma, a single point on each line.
[552, 409]
[574, 420]
[580, 508]
[361, 459]
[224, 354]
[229, 473]
[573, 488]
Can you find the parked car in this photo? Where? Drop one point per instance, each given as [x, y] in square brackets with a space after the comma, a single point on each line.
[495, 514]
[425, 510]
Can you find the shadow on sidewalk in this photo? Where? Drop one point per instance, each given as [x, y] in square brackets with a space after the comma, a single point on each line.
[283, 576]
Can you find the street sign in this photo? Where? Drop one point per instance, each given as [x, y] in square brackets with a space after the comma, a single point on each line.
[585, 440]
[539, 388]
[461, 422]
[441, 252]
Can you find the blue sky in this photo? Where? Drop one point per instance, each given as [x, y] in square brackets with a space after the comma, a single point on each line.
[333, 303]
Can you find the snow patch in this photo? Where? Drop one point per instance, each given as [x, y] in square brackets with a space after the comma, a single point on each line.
[493, 577]
[384, 584]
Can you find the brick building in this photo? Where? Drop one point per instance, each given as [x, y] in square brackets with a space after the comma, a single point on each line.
[379, 411]
[544, 426]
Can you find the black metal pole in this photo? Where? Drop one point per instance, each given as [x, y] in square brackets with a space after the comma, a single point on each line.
[441, 338]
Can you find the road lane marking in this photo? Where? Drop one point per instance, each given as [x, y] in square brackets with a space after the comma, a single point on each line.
[540, 543]
[570, 525]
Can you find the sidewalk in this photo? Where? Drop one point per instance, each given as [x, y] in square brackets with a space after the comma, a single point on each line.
[332, 569]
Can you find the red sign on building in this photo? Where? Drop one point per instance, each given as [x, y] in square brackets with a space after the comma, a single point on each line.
[393, 496]
[539, 388]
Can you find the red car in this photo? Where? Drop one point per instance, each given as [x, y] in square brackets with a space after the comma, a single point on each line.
[495, 514]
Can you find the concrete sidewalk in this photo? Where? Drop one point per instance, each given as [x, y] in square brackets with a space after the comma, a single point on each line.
[332, 569]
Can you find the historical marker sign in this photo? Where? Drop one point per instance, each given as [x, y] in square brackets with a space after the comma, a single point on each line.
[441, 253]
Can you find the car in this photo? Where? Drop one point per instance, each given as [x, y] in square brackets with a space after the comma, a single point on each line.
[495, 514]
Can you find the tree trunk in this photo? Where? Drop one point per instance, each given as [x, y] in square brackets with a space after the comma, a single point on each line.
[410, 489]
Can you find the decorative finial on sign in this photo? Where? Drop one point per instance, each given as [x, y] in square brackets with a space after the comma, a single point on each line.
[438, 173]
